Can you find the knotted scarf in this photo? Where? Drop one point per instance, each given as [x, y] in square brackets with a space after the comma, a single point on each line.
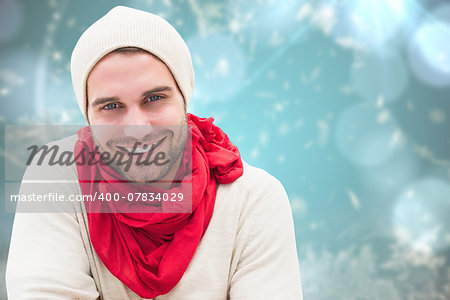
[149, 252]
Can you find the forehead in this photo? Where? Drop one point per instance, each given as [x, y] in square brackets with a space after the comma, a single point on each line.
[120, 66]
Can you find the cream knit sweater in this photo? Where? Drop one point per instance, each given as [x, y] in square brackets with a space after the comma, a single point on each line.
[248, 250]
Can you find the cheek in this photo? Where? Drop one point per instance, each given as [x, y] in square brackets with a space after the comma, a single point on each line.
[102, 127]
[101, 120]
[170, 115]
[104, 133]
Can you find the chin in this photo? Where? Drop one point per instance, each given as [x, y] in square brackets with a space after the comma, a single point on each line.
[145, 174]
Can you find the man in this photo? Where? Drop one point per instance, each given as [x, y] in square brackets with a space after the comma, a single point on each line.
[133, 78]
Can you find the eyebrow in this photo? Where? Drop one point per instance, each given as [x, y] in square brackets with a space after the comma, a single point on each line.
[103, 100]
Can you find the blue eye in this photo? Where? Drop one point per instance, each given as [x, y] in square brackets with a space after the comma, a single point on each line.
[154, 98]
[110, 106]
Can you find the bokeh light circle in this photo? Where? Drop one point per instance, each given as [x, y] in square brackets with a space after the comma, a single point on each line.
[366, 136]
[429, 48]
[375, 76]
[429, 53]
[389, 177]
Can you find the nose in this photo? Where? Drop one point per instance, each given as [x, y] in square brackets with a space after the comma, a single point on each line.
[136, 123]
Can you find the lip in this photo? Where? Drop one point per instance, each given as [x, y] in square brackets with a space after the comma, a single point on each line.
[127, 149]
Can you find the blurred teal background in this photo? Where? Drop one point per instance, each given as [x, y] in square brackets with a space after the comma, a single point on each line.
[346, 102]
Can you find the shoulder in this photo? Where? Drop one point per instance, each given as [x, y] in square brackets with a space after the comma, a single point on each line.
[49, 173]
[256, 188]
[46, 168]
[67, 143]
[255, 181]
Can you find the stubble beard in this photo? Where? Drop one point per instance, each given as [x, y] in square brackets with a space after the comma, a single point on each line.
[173, 146]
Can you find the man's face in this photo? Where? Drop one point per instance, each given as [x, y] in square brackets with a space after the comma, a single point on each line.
[134, 97]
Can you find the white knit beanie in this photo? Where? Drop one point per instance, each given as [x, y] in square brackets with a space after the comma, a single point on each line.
[128, 27]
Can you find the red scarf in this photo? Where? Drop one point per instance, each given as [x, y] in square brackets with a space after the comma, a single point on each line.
[149, 252]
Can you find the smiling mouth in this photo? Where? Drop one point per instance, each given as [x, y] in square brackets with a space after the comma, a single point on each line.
[142, 148]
